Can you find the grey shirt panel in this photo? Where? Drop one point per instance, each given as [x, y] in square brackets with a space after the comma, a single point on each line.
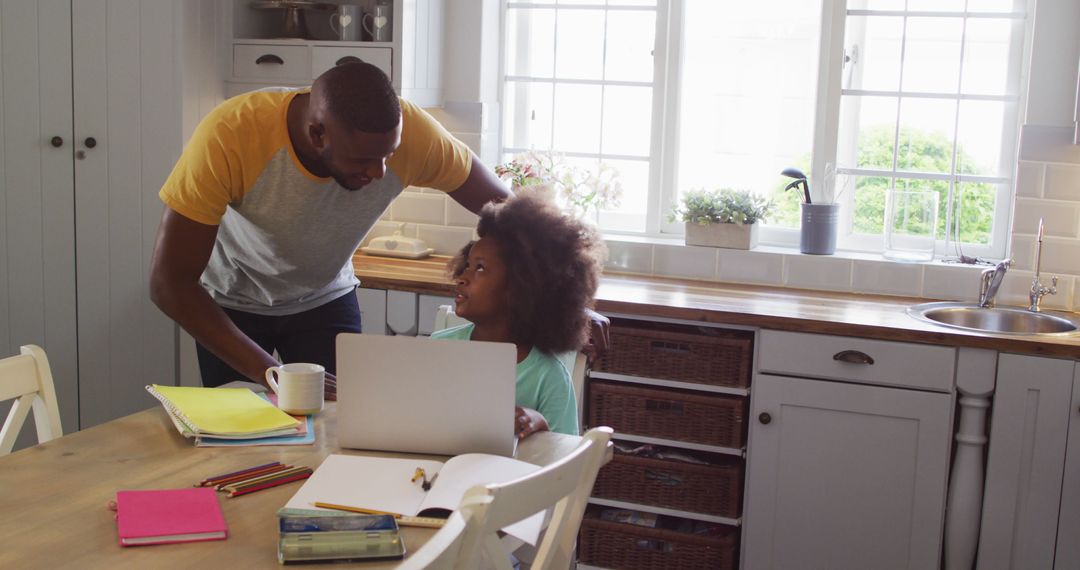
[287, 246]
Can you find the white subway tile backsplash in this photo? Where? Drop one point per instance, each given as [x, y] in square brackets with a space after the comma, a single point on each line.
[1061, 256]
[1062, 182]
[685, 261]
[817, 272]
[458, 215]
[419, 208]
[1029, 179]
[1061, 219]
[951, 282]
[1023, 252]
[887, 278]
[443, 239]
[629, 257]
[751, 267]
[1015, 291]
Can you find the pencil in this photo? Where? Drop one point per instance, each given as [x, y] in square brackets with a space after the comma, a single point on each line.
[210, 480]
[356, 509]
[272, 483]
[265, 477]
[251, 475]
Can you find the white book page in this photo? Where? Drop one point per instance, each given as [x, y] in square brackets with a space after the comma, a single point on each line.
[377, 483]
[461, 473]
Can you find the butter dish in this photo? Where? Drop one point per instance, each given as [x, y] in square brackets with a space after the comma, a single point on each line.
[397, 245]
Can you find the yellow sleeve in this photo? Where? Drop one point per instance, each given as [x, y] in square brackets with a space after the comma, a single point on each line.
[429, 155]
[224, 157]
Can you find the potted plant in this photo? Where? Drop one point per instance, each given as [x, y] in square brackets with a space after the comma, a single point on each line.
[722, 218]
[580, 192]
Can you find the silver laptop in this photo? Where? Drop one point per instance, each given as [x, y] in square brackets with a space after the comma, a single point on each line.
[419, 395]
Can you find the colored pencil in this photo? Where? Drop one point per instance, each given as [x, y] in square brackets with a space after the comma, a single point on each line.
[210, 480]
[281, 473]
[252, 475]
[272, 483]
[356, 509]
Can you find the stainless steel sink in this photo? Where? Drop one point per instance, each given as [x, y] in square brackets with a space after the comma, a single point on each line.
[1000, 320]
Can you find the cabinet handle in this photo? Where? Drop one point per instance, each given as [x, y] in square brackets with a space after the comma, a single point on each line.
[269, 58]
[764, 418]
[57, 142]
[853, 357]
[349, 59]
[90, 142]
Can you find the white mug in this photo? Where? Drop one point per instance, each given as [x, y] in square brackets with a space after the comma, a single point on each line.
[299, 387]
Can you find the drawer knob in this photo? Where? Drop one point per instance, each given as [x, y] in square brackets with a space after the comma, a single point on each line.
[853, 357]
[349, 59]
[269, 58]
[57, 142]
[764, 418]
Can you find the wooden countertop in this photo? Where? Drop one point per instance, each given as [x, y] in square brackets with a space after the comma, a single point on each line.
[867, 316]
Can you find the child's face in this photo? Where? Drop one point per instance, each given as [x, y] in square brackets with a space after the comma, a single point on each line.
[481, 287]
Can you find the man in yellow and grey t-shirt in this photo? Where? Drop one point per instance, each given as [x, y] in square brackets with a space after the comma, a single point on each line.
[270, 199]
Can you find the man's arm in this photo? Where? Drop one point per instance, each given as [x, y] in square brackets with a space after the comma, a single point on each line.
[181, 252]
[481, 187]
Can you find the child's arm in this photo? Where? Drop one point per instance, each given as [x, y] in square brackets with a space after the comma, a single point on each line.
[528, 421]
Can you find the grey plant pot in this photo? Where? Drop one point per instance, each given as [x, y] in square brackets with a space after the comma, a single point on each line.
[730, 236]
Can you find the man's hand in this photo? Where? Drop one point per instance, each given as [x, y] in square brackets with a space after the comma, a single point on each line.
[330, 387]
[599, 335]
[528, 421]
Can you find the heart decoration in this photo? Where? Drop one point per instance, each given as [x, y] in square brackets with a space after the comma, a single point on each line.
[380, 21]
[344, 20]
[391, 244]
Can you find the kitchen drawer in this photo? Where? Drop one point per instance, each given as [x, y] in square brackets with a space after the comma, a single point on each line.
[886, 363]
[272, 62]
[325, 57]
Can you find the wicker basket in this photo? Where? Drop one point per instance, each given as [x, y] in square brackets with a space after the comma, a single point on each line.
[677, 352]
[681, 415]
[710, 489]
[626, 546]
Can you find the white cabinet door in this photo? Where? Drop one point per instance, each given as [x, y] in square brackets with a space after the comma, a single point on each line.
[126, 98]
[844, 476]
[372, 310]
[1068, 547]
[37, 221]
[1029, 426]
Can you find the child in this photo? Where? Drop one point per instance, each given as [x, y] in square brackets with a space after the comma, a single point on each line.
[528, 280]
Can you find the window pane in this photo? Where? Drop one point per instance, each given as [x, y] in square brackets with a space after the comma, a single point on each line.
[527, 122]
[876, 5]
[992, 6]
[932, 55]
[630, 216]
[939, 186]
[631, 2]
[974, 212]
[873, 43]
[577, 118]
[867, 132]
[630, 41]
[936, 5]
[986, 57]
[579, 44]
[868, 215]
[530, 42]
[627, 120]
[979, 137]
[747, 96]
[926, 135]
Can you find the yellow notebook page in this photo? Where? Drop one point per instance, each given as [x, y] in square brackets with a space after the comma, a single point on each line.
[223, 410]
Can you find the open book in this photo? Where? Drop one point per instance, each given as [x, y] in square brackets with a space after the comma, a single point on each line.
[385, 484]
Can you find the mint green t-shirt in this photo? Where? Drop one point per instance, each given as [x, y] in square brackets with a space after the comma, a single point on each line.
[543, 384]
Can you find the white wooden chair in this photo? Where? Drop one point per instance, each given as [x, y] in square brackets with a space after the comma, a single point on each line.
[575, 362]
[27, 379]
[564, 486]
[443, 550]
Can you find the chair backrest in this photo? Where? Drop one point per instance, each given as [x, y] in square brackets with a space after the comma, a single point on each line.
[575, 362]
[442, 551]
[27, 379]
[564, 486]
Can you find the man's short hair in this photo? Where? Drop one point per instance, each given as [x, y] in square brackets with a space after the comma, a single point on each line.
[359, 96]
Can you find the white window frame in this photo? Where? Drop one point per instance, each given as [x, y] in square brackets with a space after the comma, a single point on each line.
[663, 158]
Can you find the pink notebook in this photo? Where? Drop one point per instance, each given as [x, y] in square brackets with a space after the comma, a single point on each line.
[169, 515]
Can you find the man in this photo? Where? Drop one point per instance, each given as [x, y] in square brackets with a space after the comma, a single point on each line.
[271, 197]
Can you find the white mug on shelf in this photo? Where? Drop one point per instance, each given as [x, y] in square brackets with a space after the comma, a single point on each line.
[299, 387]
[377, 23]
[346, 22]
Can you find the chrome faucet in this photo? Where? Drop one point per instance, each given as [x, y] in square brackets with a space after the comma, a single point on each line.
[1038, 290]
[990, 280]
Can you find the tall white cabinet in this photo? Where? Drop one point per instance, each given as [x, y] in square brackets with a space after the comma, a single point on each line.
[90, 124]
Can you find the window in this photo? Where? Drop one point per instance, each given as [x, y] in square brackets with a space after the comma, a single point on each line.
[881, 94]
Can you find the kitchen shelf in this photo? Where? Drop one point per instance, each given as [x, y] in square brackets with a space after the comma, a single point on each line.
[305, 42]
[670, 383]
[664, 511]
[740, 452]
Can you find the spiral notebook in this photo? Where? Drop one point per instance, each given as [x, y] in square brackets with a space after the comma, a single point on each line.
[233, 413]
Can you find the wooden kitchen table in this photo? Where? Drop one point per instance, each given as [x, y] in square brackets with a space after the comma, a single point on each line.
[53, 497]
